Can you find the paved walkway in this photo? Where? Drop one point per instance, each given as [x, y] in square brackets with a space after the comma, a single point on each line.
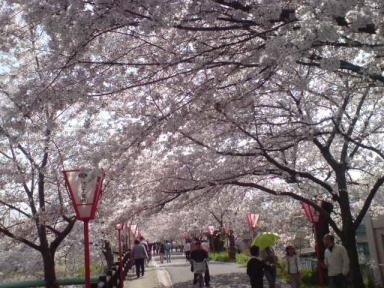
[177, 275]
[150, 279]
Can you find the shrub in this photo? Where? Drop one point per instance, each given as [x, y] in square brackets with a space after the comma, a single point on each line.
[241, 258]
[95, 269]
[219, 256]
[310, 277]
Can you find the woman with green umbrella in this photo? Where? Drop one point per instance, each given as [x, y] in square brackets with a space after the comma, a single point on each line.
[265, 240]
[270, 261]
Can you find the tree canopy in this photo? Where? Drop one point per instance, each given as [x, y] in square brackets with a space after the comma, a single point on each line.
[180, 100]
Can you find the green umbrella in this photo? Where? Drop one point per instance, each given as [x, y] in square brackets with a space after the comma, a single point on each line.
[265, 239]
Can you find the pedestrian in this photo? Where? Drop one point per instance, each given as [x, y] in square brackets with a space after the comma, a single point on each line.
[270, 261]
[107, 251]
[205, 245]
[293, 267]
[231, 246]
[187, 249]
[193, 244]
[255, 268]
[158, 248]
[199, 255]
[139, 255]
[167, 250]
[336, 260]
[161, 252]
[146, 246]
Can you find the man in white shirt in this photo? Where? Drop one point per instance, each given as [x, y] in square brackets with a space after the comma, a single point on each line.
[337, 262]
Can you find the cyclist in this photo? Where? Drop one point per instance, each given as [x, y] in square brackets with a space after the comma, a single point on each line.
[198, 254]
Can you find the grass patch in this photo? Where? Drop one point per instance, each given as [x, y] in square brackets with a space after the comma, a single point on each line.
[241, 258]
[223, 257]
[219, 256]
[95, 268]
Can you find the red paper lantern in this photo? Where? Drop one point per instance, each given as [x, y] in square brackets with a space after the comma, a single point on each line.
[310, 212]
[253, 219]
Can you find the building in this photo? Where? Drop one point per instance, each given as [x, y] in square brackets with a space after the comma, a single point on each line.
[370, 245]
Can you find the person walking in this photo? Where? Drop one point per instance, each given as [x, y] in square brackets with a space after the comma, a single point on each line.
[146, 246]
[161, 252]
[231, 246]
[270, 261]
[139, 255]
[336, 260]
[157, 248]
[187, 249]
[255, 268]
[167, 250]
[205, 245]
[199, 255]
[293, 267]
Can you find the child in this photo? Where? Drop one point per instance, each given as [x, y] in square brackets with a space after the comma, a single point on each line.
[293, 267]
[255, 268]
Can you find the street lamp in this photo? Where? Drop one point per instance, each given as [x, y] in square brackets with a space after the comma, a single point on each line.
[84, 186]
[129, 237]
[313, 218]
[119, 227]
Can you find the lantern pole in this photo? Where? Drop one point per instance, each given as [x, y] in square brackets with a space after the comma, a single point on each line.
[79, 183]
[317, 248]
[129, 238]
[86, 255]
[118, 227]
[314, 219]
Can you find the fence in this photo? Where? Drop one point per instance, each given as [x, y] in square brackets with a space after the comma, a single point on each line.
[110, 279]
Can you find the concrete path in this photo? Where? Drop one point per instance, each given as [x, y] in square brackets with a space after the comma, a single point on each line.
[177, 274]
[149, 280]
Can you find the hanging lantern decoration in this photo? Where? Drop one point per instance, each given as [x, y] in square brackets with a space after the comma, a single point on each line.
[310, 212]
[253, 219]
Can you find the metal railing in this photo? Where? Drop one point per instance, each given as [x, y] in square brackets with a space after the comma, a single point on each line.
[41, 283]
[110, 279]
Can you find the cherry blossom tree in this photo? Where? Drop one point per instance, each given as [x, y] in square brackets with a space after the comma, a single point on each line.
[37, 134]
[283, 97]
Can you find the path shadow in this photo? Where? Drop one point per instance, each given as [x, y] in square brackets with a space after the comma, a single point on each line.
[232, 280]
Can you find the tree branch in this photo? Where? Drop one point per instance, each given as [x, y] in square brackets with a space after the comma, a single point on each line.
[61, 235]
[368, 201]
[19, 239]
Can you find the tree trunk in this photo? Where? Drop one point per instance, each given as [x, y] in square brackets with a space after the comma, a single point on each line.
[348, 235]
[49, 269]
[349, 242]
[107, 251]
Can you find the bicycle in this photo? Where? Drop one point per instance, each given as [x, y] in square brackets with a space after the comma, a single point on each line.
[199, 268]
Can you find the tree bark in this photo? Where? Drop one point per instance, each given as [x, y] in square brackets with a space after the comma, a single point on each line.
[349, 242]
[348, 235]
[49, 269]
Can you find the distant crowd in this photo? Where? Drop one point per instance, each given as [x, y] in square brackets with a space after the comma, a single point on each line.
[262, 262]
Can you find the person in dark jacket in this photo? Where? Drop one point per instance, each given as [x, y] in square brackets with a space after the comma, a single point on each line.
[231, 246]
[161, 252]
[198, 255]
[255, 268]
[139, 255]
[270, 261]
